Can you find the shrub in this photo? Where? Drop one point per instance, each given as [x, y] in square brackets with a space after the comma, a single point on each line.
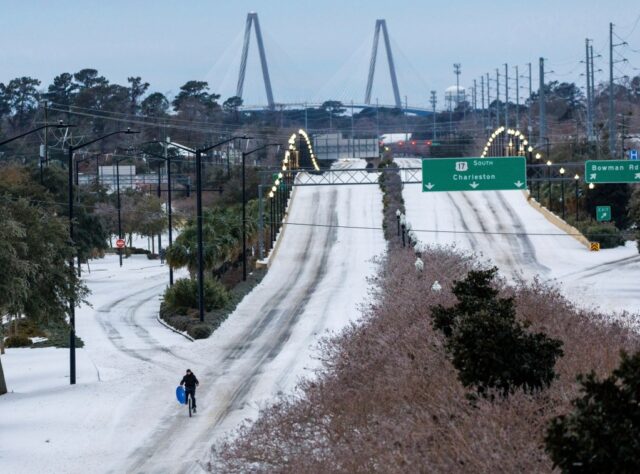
[184, 295]
[607, 234]
[18, 340]
[135, 251]
[200, 331]
[603, 432]
[489, 348]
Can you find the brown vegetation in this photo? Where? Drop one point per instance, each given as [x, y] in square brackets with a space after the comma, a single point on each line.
[388, 399]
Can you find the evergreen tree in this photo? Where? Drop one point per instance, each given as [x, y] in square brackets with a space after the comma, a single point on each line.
[602, 434]
[489, 348]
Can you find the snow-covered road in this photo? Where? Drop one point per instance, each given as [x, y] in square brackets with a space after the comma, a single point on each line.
[122, 415]
[503, 227]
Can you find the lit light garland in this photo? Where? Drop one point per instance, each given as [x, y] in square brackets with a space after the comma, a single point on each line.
[288, 158]
[513, 133]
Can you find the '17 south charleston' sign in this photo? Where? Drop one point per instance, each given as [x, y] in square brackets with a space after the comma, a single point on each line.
[474, 174]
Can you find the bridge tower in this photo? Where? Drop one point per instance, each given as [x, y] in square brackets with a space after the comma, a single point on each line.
[252, 18]
[382, 25]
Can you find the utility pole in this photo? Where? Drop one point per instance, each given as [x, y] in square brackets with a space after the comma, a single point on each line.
[352, 137]
[506, 95]
[589, 101]
[433, 101]
[484, 122]
[517, 100]
[377, 119]
[474, 101]
[488, 101]
[497, 97]
[612, 124]
[529, 119]
[541, 99]
[612, 112]
[456, 70]
[45, 155]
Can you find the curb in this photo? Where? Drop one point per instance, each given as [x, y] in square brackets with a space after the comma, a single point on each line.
[171, 328]
[280, 235]
[555, 220]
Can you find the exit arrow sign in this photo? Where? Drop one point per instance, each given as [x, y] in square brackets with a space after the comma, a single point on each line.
[473, 174]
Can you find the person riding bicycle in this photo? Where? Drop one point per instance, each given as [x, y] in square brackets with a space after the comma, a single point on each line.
[190, 383]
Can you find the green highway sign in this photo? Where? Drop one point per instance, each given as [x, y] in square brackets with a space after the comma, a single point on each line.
[603, 213]
[612, 171]
[474, 174]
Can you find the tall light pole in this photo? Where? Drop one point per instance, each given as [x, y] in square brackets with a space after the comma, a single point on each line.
[549, 163]
[562, 189]
[244, 207]
[576, 180]
[199, 152]
[72, 301]
[35, 130]
[433, 101]
[117, 162]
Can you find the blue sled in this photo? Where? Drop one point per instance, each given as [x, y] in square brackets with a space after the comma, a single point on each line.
[181, 395]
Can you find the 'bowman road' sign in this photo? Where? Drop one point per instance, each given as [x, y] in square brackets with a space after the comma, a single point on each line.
[474, 174]
[612, 171]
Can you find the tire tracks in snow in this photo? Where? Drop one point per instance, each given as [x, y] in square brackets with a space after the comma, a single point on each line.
[261, 345]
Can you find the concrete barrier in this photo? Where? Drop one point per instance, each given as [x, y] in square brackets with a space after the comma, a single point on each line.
[557, 221]
[274, 251]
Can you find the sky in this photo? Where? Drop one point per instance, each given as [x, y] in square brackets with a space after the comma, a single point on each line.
[316, 50]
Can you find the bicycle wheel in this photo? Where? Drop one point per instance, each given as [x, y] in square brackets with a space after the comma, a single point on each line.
[190, 403]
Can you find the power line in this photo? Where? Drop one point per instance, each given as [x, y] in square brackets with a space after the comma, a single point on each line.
[436, 231]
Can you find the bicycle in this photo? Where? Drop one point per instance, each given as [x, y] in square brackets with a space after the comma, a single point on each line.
[185, 397]
[189, 400]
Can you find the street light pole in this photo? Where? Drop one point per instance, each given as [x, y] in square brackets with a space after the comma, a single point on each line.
[72, 300]
[37, 129]
[199, 152]
[167, 159]
[576, 178]
[549, 163]
[562, 189]
[46, 126]
[244, 207]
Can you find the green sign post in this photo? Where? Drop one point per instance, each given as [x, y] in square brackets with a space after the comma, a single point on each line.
[612, 171]
[603, 213]
[474, 174]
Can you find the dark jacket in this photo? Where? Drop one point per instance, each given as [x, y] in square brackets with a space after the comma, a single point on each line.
[189, 381]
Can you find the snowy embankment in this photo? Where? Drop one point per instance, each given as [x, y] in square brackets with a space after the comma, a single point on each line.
[503, 227]
[122, 415]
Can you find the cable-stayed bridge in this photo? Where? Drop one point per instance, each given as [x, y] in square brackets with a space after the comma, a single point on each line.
[253, 23]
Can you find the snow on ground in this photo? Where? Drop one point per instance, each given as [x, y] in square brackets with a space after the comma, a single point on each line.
[122, 415]
[487, 222]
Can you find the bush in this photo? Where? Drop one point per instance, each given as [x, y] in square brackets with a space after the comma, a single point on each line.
[135, 251]
[18, 340]
[184, 295]
[489, 348]
[603, 432]
[607, 234]
[200, 331]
